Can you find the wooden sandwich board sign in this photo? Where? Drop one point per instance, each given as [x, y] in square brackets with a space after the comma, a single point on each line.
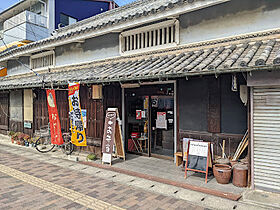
[112, 136]
[198, 157]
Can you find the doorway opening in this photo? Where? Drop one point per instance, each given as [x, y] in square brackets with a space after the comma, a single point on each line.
[149, 120]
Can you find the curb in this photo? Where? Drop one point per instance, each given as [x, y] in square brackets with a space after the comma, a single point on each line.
[230, 196]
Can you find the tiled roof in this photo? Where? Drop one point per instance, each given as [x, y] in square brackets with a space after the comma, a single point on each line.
[127, 12]
[140, 8]
[236, 54]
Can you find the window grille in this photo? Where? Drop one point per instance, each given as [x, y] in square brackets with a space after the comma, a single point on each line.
[42, 60]
[156, 36]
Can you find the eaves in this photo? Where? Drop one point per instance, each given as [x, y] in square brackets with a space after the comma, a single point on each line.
[83, 33]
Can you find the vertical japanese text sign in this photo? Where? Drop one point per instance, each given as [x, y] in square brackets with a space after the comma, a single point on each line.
[109, 135]
[78, 134]
[56, 136]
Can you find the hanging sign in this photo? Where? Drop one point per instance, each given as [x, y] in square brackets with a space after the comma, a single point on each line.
[78, 134]
[112, 136]
[198, 157]
[56, 136]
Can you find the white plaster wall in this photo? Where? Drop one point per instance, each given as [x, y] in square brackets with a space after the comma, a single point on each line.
[15, 67]
[93, 49]
[229, 19]
[225, 25]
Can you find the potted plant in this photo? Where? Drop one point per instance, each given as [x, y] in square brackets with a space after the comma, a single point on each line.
[11, 134]
[26, 139]
[91, 156]
[33, 141]
[21, 139]
[16, 137]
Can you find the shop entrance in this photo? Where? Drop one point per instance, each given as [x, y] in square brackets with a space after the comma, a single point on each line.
[149, 117]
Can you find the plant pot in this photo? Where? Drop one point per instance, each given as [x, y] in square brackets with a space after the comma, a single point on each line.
[223, 161]
[222, 173]
[18, 142]
[13, 141]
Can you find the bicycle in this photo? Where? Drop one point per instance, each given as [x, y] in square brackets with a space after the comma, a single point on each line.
[43, 143]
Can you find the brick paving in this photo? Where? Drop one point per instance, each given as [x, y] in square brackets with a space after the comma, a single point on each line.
[16, 194]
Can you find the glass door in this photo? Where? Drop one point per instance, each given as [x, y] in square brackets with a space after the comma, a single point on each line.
[162, 125]
[137, 110]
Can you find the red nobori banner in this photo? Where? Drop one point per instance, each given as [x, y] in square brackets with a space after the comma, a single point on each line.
[56, 135]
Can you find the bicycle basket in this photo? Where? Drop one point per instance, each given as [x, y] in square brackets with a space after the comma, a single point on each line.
[45, 131]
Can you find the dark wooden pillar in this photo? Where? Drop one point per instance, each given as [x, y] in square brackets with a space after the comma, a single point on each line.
[214, 105]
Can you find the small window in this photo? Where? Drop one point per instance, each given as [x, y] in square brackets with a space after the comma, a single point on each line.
[42, 60]
[156, 36]
[66, 20]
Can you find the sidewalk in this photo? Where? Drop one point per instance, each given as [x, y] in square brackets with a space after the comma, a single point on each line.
[165, 171]
[145, 182]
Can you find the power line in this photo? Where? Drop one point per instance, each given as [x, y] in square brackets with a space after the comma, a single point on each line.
[16, 37]
[32, 31]
[19, 18]
[21, 62]
[20, 27]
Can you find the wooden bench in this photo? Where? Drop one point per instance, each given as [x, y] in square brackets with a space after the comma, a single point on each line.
[179, 158]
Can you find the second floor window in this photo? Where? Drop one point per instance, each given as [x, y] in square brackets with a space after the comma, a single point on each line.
[152, 37]
[42, 60]
[66, 20]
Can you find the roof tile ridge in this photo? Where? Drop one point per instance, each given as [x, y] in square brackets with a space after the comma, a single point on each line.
[103, 14]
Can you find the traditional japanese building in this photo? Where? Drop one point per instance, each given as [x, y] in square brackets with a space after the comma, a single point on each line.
[173, 68]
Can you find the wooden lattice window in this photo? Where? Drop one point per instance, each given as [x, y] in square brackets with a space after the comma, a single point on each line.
[42, 60]
[152, 37]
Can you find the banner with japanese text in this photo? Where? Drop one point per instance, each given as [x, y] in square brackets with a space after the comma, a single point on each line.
[56, 135]
[78, 134]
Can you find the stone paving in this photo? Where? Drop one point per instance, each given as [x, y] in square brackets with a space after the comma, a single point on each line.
[26, 183]
[70, 163]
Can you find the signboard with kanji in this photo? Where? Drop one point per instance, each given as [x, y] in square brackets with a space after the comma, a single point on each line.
[78, 134]
[112, 136]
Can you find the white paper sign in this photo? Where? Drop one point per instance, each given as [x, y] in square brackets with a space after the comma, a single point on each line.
[161, 121]
[84, 114]
[107, 158]
[198, 148]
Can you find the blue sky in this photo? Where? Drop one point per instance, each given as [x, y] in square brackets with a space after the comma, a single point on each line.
[7, 3]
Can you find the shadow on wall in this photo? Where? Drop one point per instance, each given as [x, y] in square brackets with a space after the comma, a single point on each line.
[229, 8]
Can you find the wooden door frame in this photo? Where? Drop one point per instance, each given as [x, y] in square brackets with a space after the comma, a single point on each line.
[175, 120]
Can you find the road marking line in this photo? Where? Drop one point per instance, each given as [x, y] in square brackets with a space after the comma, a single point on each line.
[69, 194]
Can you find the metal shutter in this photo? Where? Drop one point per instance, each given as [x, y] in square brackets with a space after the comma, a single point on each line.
[266, 134]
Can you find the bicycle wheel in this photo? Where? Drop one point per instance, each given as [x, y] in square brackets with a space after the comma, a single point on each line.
[67, 147]
[43, 144]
